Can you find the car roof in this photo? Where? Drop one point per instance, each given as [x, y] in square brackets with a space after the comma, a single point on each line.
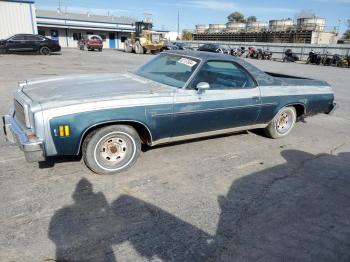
[202, 55]
[27, 35]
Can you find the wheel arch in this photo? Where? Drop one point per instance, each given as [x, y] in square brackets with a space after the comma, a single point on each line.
[300, 108]
[141, 128]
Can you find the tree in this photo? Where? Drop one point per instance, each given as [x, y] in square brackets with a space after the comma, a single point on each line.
[236, 17]
[186, 35]
[251, 19]
[346, 34]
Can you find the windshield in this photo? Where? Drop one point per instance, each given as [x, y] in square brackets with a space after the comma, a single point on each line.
[168, 69]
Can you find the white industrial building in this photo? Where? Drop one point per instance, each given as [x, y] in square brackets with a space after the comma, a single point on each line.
[68, 28]
[17, 17]
[21, 16]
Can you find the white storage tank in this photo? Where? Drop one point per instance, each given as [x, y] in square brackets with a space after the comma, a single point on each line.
[235, 27]
[216, 28]
[311, 24]
[200, 29]
[281, 25]
[257, 26]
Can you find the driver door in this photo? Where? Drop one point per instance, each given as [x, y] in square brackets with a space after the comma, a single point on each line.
[232, 100]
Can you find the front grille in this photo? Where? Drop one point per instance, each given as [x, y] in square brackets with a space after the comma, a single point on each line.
[19, 113]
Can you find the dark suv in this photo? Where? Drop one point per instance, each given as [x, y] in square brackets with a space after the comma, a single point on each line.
[29, 43]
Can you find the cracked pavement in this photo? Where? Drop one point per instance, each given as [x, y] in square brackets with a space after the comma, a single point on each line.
[240, 197]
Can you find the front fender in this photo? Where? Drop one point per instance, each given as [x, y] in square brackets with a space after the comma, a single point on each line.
[80, 123]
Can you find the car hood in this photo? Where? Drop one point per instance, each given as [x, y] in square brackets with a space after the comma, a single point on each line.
[75, 89]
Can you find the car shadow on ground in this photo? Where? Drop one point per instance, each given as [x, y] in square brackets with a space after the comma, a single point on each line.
[52, 161]
[297, 211]
[30, 54]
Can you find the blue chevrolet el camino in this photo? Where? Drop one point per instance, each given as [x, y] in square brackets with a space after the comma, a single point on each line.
[178, 95]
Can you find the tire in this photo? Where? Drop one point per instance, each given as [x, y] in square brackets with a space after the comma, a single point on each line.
[138, 48]
[112, 149]
[260, 57]
[44, 50]
[127, 47]
[308, 60]
[276, 129]
[2, 50]
[100, 49]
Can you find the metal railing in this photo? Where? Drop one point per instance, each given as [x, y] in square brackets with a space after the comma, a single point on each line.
[278, 49]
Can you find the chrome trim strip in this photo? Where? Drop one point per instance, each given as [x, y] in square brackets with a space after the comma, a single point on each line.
[214, 109]
[206, 134]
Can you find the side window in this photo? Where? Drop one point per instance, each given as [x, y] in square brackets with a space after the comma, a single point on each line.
[33, 38]
[41, 32]
[103, 37]
[18, 38]
[223, 75]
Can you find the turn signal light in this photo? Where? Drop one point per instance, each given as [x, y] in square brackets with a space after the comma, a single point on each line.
[64, 131]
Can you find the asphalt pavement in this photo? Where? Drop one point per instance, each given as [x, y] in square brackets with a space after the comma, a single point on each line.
[240, 197]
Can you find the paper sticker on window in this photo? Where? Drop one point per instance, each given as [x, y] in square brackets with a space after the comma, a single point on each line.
[187, 62]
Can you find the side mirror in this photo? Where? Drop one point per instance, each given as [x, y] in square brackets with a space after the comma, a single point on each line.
[201, 86]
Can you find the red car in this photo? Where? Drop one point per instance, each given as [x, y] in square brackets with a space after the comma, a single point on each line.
[91, 42]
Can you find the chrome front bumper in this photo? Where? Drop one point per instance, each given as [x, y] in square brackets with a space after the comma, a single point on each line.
[32, 147]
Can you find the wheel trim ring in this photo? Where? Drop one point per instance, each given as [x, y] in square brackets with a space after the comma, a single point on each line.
[131, 158]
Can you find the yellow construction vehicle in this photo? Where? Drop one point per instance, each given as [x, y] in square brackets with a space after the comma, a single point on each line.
[144, 39]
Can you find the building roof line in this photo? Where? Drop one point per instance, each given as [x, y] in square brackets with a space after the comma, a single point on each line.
[84, 26]
[83, 20]
[19, 1]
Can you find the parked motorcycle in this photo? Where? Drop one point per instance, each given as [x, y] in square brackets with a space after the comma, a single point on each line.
[338, 61]
[347, 60]
[238, 51]
[264, 54]
[326, 59]
[289, 56]
[314, 58]
[252, 52]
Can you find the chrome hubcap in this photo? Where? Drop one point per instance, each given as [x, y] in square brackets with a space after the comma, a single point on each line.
[113, 150]
[284, 122]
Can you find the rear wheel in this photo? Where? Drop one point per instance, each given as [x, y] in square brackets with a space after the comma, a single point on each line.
[44, 50]
[282, 124]
[138, 48]
[112, 149]
[100, 49]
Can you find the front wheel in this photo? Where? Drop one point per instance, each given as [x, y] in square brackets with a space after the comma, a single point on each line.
[282, 124]
[112, 149]
[138, 48]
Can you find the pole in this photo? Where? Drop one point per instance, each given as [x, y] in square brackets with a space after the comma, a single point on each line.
[59, 5]
[178, 24]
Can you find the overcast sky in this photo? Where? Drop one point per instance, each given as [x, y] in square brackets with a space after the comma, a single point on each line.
[194, 12]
